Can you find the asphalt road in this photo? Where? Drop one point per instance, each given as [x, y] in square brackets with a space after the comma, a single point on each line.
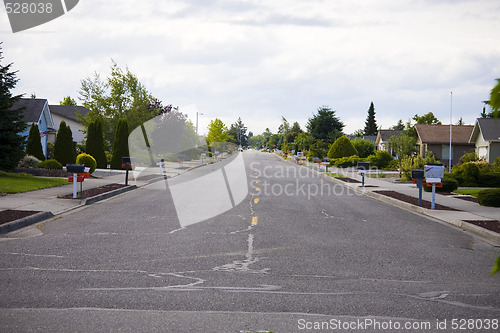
[298, 254]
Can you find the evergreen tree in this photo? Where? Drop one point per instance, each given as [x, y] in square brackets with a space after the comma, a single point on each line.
[64, 151]
[371, 123]
[11, 120]
[95, 144]
[120, 146]
[325, 125]
[33, 144]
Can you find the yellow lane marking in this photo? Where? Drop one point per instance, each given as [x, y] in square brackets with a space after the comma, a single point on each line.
[257, 189]
[256, 200]
[254, 220]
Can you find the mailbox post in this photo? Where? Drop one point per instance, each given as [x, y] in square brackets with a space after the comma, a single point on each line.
[433, 175]
[127, 161]
[75, 169]
[418, 176]
[363, 167]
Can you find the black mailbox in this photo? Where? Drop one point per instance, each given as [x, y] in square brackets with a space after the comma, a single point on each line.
[363, 166]
[417, 174]
[75, 168]
[126, 160]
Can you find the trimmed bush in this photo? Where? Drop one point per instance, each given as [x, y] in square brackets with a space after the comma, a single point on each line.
[489, 197]
[87, 160]
[28, 161]
[120, 146]
[490, 179]
[64, 152]
[449, 185]
[342, 147]
[50, 164]
[346, 162]
[33, 144]
[95, 144]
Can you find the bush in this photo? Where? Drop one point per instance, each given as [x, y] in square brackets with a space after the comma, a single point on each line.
[489, 197]
[393, 165]
[490, 179]
[346, 162]
[28, 161]
[496, 164]
[342, 147]
[50, 164]
[120, 146]
[380, 159]
[469, 157]
[87, 160]
[364, 147]
[449, 185]
[466, 174]
[33, 143]
[64, 151]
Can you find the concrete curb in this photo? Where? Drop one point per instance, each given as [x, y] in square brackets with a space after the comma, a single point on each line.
[99, 197]
[24, 222]
[482, 232]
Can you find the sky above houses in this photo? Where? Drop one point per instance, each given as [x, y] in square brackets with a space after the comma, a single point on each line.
[261, 60]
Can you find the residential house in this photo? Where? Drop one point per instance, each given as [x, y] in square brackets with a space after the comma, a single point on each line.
[36, 110]
[69, 113]
[383, 137]
[486, 138]
[436, 138]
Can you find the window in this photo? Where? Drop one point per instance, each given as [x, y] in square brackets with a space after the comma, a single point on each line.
[445, 149]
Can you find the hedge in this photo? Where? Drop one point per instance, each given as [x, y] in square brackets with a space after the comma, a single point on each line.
[490, 197]
[50, 164]
[490, 179]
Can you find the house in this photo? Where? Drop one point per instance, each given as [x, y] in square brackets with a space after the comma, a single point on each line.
[371, 138]
[69, 113]
[436, 138]
[36, 110]
[383, 136]
[486, 138]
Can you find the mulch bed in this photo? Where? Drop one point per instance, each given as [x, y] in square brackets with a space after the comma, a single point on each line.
[42, 172]
[348, 180]
[368, 186]
[492, 225]
[94, 191]
[12, 215]
[413, 200]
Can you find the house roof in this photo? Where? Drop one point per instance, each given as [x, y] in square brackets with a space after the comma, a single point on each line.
[69, 111]
[33, 108]
[441, 133]
[384, 135]
[489, 129]
[371, 138]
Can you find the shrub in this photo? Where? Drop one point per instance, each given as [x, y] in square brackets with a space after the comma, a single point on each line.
[33, 143]
[87, 160]
[64, 151]
[449, 185]
[380, 159]
[120, 146]
[95, 144]
[393, 165]
[28, 161]
[490, 179]
[489, 197]
[364, 147]
[346, 162]
[466, 174]
[484, 166]
[496, 164]
[50, 164]
[342, 147]
[469, 157]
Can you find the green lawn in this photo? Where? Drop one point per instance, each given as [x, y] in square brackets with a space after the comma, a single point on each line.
[21, 182]
[335, 175]
[469, 191]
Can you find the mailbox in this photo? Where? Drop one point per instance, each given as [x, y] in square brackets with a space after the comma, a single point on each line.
[434, 171]
[363, 166]
[417, 174]
[126, 160]
[75, 168]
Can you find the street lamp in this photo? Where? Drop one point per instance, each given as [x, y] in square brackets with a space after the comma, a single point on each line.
[451, 128]
[201, 114]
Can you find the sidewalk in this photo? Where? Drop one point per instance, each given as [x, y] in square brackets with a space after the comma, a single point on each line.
[48, 202]
[467, 210]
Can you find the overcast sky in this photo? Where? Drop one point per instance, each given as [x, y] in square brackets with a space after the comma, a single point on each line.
[262, 59]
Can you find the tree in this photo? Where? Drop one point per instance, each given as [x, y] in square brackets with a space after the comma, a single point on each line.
[64, 151]
[11, 120]
[318, 149]
[120, 95]
[359, 133]
[342, 147]
[364, 147]
[33, 144]
[428, 119]
[460, 122]
[325, 125]
[399, 126]
[303, 141]
[238, 132]
[217, 131]
[371, 123]
[120, 146]
[67, 101]
[403, 145]
[495, 100]
[284, 127]
[95, 145]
